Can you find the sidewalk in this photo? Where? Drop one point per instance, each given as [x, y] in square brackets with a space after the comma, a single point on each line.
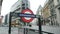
[4, 30]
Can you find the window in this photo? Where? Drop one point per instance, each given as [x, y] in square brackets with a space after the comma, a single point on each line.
[23, 7]
[27, 4]
[23, 4]
[55, 16]
[59, 10]
[50, 1]
[58, 0]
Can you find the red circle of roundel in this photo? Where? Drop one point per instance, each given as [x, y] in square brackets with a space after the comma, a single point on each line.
[25, 20]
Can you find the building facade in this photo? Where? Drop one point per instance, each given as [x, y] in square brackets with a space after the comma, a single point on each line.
[1, 17]
[0, 5]
[57, 9]
[45, 12]
[50, 12]
[6, 18]
[17, 8]
[54, 9]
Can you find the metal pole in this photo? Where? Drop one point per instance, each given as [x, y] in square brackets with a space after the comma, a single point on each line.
[26, 29]
[10, 23]
[40, 29]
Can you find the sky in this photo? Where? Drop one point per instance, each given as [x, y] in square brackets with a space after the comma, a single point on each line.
[34, 4]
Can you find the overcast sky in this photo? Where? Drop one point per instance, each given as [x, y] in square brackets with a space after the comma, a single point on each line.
[34, 4]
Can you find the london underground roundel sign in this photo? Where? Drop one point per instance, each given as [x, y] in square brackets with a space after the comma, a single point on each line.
[27, 19]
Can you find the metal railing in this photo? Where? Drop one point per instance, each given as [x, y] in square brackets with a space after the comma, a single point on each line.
[47, 32]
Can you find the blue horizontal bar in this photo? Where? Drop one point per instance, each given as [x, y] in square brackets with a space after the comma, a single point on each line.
[28, 15]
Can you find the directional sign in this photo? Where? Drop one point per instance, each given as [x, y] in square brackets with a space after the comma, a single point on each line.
[26, 19]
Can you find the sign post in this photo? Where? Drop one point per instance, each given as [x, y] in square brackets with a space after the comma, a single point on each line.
[26, 19]
[29, 14]
[10, 22]
[40, 28]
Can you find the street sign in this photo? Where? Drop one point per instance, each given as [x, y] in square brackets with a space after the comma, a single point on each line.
[26, 19]
[29, 15]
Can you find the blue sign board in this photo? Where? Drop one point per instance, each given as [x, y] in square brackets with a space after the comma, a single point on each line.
[29, 15]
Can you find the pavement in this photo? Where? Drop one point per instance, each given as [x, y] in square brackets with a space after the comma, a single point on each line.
[15, 30]
[4, 30]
